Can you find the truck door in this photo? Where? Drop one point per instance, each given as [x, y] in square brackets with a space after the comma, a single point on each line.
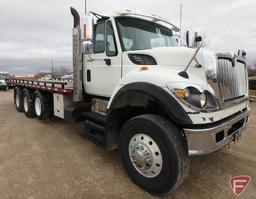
[103, 67]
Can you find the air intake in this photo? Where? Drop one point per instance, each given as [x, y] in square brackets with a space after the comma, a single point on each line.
[140, 59]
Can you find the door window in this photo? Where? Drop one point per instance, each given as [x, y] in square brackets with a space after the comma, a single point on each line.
[111, 42]
[99, 38]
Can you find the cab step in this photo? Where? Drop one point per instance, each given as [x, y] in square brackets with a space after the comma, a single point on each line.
[95, 117]
[95, 128]
[95, 137]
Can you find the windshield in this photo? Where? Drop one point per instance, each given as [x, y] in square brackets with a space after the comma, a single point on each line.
[2, 77]
[139, 34]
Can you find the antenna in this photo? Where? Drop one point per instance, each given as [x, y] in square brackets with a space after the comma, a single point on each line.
[52, 68]
[85, 7]
[181, 7]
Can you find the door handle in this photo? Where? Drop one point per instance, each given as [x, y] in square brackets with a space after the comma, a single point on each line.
[108, 61]
[88, 74]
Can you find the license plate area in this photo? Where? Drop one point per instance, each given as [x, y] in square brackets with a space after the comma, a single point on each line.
[236, 126]
[236, 137]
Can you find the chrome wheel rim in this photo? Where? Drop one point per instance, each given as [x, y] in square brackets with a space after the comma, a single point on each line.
[145, 155]
[38, 106]
[25, 100]
[17, 100]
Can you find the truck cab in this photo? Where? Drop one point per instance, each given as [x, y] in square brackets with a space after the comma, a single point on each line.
[135, 49]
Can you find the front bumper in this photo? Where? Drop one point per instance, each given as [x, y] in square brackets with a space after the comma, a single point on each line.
[204, 140]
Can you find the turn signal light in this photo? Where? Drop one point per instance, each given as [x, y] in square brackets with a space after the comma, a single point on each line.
[180, 93]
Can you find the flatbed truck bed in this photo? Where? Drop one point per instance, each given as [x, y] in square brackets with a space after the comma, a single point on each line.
[47, 86]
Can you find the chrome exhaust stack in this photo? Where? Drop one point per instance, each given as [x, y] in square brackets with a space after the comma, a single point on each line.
[77, 58]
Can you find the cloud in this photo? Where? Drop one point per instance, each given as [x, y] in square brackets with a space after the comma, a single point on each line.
[34, 32]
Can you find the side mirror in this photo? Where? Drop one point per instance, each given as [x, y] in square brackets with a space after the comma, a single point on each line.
[87, 47]
[87, 28]
[193, 39]
[241, 53]
[87, 31]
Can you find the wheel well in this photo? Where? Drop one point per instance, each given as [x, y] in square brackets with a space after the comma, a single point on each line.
[130, 104]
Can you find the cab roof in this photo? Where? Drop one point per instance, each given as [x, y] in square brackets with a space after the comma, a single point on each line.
[151, 17]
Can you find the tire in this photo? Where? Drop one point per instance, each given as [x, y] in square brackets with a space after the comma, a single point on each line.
[18, 100]
[42, 105]
[28, 106]
[164, 144]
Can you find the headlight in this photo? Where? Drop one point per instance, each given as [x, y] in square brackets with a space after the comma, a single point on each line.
[200, 100]
[203, 100]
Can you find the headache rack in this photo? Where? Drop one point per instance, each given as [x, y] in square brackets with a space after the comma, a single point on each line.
[50, 86]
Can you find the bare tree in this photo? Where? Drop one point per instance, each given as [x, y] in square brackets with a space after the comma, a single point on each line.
[57, 72]
[41, 74]
[60, 71]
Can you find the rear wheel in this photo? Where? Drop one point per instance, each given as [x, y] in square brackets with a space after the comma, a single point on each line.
[18, 99]
[42, 105]
[154, 153]
[38, 106]
[28, 104]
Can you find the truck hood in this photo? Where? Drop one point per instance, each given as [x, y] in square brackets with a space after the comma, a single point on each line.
[170, 61]
[171, 56]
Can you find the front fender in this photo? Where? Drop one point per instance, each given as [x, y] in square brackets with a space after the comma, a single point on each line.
[167, 102]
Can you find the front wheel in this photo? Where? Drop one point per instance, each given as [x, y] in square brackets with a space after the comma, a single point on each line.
[154, 153]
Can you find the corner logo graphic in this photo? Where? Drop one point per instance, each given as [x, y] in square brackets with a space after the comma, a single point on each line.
[238, 184]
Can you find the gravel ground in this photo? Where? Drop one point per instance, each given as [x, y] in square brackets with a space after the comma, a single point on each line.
[50, 160]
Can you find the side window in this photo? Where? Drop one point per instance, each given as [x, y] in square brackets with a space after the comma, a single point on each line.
[99, 38]
[111, 42]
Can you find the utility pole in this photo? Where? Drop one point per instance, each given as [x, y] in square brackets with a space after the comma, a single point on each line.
[181, 7]
[52, 68]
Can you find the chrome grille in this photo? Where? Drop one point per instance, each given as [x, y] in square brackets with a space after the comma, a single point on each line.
[231, 78]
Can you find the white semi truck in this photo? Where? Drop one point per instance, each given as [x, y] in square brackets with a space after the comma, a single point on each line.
[141, 92]
[3, 77]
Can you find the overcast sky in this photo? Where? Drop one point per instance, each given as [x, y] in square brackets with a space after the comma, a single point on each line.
[33, 32]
